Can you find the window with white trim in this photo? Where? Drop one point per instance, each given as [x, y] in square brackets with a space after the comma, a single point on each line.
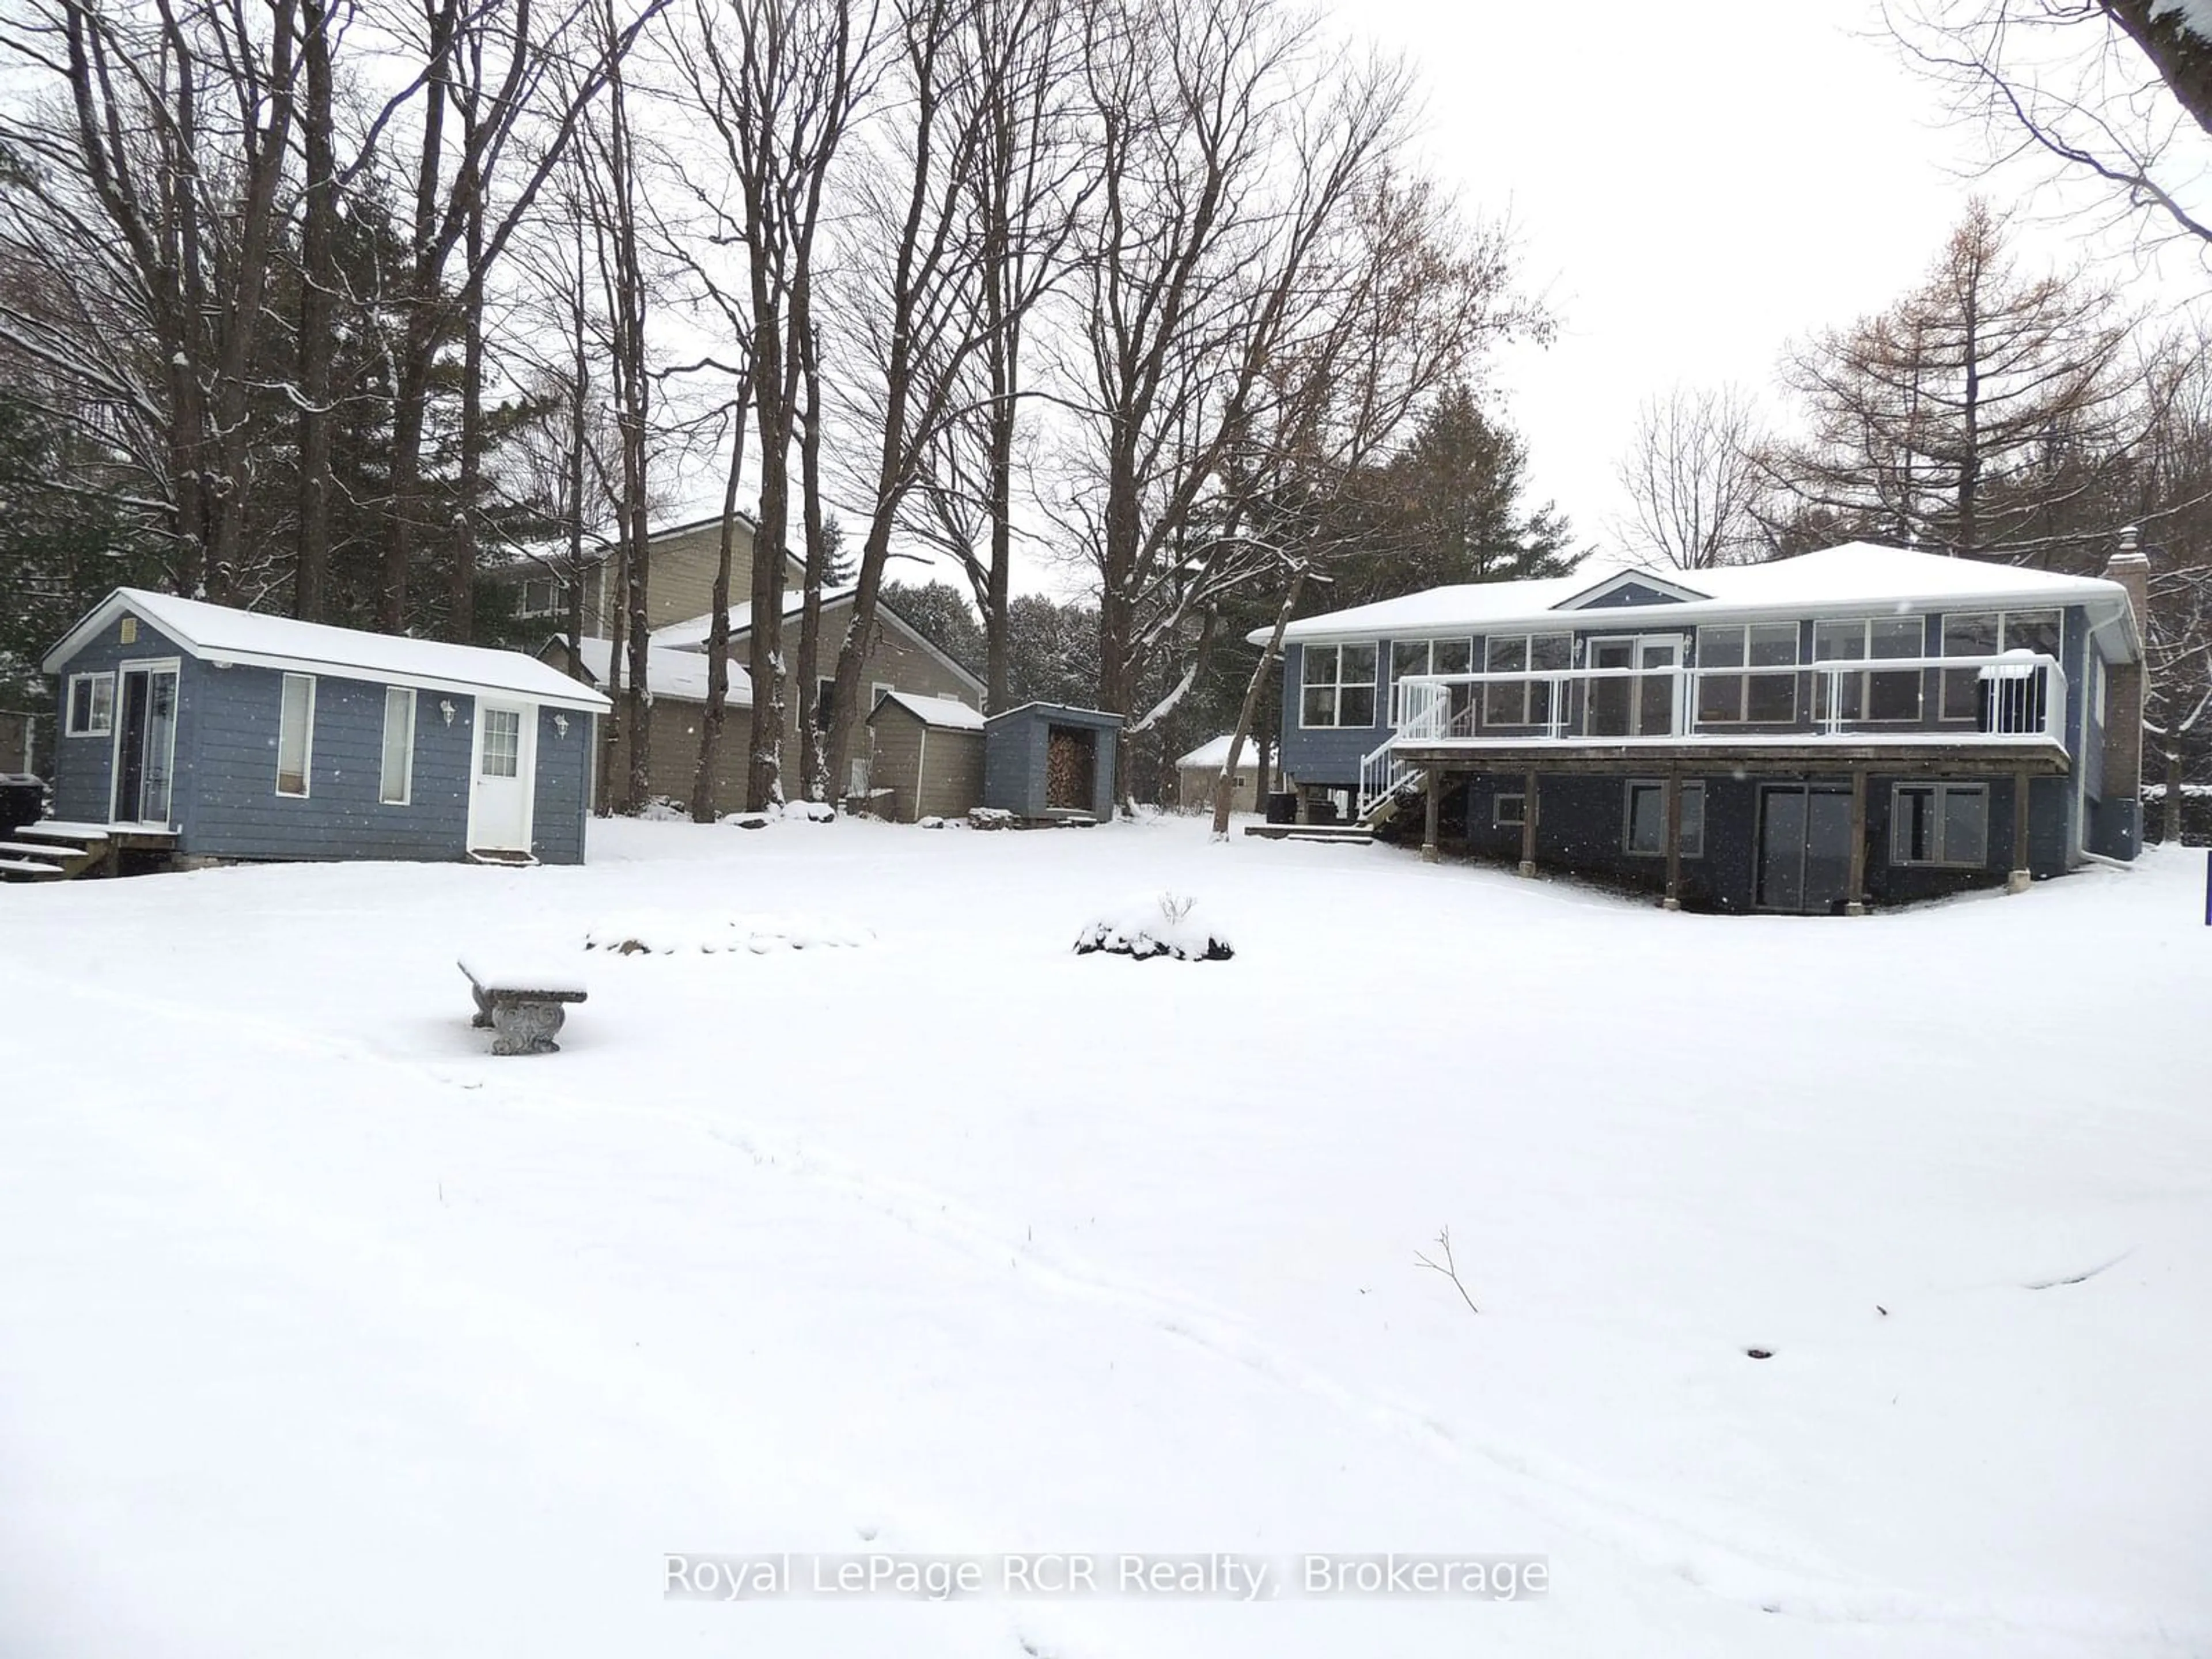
[877, 690]
[1508, 811]
[295, 734]
[541, 597]
[1939, 823]
[1986, 633]
[1426, 657]
[91, 712]
[1644, 819]
[1872, 697]
[397, 784]
[1735, 699]
[1528, 702]
[1337, 685]
[503, 744]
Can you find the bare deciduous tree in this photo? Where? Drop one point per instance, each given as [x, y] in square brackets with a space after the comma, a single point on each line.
[1693, 476]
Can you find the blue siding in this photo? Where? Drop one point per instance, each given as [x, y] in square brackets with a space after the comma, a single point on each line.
[1015, 748]
[1628, 594]
[563, 801]
[236, 812]
[225, 802]
[83, 768]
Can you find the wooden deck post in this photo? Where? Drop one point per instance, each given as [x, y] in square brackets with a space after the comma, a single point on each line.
[1855, 892]
[2018, 881]
[1432, 811]
[1673, 799]
[1528, 826]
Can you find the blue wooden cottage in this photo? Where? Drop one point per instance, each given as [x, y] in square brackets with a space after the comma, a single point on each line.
[215, 733]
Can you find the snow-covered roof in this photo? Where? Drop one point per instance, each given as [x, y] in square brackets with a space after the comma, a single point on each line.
[1858, 577]
[1212, 756]
[220, 634]
[691, 634]
[1098, 716]
[934, 711]
[681, 675]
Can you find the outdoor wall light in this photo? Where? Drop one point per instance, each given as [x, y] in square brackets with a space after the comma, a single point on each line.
[446, 708]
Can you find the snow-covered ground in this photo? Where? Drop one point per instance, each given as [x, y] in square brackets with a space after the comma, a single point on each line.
[322, 1331]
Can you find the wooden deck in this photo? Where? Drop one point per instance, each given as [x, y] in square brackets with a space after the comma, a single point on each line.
[55, 849]
[1900, 756]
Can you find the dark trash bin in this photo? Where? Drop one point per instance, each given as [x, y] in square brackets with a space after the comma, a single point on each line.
[22, 800]
[1283, 807]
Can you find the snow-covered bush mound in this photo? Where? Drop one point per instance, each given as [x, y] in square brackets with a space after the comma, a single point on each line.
[990, 817]
[792, 812]
[1158, 926]
[675, 932]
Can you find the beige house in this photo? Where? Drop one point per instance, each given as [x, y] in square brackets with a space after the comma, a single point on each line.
[682, 560]
[896, 659]
[925, 758]
[1197, 772]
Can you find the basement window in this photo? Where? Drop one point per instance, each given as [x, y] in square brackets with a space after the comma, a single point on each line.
[1509, 811]
[1939, 823]
[1645, 834]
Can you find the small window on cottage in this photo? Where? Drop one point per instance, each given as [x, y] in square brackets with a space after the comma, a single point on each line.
[295, 734]
[1645, 832]
[398, 772]
[91, 706]
[1338, 685]
[502, 743]
[1939, 823]
[825, 703]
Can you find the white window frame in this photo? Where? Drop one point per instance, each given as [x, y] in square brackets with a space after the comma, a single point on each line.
[1494, 693]
[1690, 850]
[1428, 666]
[523, 606]
[1520, 818]
[1336, 686]
[1939, 795]
[1709, 673]
[307, 743]
[105, 719]
[406, 795]
[1831, 685]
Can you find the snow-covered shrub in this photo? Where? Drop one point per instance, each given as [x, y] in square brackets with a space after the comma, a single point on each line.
[808, 812]
[747, 820]
[933, 822]
[990, 817]
[1158, 926]
[675, 932]
[664, 809]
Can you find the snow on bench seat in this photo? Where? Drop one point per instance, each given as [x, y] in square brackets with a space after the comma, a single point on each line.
[524, 978]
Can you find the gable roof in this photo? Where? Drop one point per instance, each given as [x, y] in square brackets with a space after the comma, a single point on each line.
[1213, 756]
[1098, 717]
[681, 675]
[944, 712]
[691, 634]
[1857, 577]
[1624, 582]
[224, 634]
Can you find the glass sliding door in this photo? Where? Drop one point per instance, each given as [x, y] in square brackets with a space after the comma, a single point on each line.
[1804, 847]
[145, 744]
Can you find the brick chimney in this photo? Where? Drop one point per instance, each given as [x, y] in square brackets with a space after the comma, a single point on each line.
[2124, 691]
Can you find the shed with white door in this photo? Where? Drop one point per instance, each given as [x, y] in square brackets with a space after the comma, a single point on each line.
[222, 733]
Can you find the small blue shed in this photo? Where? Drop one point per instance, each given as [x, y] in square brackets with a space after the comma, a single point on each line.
[229, 734]
[1046, 762]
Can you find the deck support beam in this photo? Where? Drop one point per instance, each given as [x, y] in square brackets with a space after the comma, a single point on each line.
[1855, 889]
[1432, 811]
[2018, 881]
[1528, 825]
[1673, 801]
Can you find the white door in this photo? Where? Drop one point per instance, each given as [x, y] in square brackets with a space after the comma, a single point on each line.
[506, 776]
[1649, 703]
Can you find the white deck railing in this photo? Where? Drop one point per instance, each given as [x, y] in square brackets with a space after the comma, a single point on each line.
[2019, 697]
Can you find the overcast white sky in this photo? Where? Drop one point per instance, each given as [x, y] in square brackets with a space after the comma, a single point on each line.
[1695, 183]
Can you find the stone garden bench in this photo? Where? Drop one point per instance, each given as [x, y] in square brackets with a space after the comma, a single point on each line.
[519, 1005]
